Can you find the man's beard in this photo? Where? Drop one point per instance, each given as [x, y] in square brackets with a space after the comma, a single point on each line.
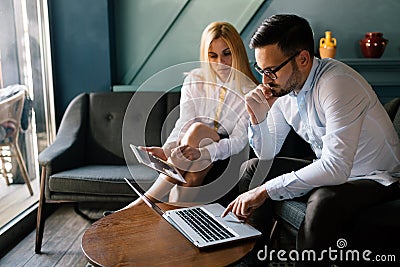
[292, 84]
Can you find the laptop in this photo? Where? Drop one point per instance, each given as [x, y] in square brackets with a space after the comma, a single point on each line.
[157, 164]
[202, 225]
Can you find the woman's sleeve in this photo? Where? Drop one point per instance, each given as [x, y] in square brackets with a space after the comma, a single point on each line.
[187, 113]
[236, 142]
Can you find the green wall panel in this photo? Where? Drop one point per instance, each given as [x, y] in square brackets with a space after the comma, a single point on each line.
[140, 25]
[153, 35]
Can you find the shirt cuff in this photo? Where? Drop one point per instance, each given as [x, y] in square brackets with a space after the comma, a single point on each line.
[273, 188]
[255, 133]
[286, 186]
[212, 149]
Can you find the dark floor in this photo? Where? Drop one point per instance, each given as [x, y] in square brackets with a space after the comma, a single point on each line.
[61, 242]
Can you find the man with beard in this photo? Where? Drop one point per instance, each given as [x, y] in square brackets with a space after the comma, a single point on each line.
[336, 111]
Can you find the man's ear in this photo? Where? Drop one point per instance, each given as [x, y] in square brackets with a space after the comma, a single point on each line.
[304, 59]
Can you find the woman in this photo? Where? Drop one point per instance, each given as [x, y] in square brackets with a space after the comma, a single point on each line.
[213, 121]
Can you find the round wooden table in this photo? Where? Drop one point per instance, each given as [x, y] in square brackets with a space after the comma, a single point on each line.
[140, 237]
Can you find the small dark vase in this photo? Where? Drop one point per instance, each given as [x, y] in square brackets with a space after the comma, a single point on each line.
[373, 45]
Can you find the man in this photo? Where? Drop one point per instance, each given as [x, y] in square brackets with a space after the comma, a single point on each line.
[335, 110]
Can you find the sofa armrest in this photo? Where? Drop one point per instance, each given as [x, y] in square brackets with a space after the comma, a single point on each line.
[67, 151]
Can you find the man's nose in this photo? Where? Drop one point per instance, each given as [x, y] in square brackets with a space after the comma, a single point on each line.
[266, 79]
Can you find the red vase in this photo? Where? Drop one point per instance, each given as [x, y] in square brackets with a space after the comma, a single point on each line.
[373, 45]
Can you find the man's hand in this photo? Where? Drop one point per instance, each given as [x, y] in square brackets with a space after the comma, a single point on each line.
[258, 103]
[244, 205]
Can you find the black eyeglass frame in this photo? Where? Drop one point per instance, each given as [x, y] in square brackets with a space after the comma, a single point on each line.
[271, 73]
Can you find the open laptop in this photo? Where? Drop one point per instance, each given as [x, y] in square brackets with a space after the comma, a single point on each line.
[202, 225]
[157, 164]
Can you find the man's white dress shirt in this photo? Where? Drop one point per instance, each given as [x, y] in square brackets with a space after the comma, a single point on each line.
[339, 115]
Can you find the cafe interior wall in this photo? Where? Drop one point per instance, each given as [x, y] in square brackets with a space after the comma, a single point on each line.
[103, 45]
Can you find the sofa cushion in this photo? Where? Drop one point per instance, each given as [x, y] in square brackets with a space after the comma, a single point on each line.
[100, 179]
[117, 119]
[104, 137]
[376, 225]
[292, 212]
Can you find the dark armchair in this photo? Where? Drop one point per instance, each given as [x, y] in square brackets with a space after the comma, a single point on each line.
[86, 162]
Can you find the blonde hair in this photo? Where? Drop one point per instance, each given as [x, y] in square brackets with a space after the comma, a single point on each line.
[230, 35]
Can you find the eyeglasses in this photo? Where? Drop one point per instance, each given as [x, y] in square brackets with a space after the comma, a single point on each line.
[271, 73]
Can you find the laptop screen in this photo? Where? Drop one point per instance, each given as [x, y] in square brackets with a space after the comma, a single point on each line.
[140, 192]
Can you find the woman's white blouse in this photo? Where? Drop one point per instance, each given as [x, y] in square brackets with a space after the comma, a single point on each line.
[199, 103]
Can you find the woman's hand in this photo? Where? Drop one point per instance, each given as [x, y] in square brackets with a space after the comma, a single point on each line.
[155, 150]
[189, 153]
[189, 158]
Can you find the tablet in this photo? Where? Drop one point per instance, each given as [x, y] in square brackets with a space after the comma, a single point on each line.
[157, 164]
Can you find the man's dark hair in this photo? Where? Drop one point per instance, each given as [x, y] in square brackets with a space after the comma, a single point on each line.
[290, 32]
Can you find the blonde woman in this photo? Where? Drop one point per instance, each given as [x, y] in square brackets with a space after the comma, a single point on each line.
[213, 121]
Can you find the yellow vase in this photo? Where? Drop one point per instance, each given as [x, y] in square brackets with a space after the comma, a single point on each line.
[327, 46]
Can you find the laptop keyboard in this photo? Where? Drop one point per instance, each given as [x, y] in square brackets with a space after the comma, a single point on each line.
[203, 224]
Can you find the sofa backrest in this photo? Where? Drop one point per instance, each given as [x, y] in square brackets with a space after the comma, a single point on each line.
[105, 116]
[143, 113]
[393, 110]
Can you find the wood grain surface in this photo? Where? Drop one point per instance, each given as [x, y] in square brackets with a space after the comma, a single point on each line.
[140, 237]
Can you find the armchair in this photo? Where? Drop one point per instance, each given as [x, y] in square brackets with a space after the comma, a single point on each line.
[86, 160]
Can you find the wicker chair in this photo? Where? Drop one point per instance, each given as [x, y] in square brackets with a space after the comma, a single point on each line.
[10, 114]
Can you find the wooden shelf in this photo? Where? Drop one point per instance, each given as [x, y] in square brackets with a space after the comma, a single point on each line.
[380, 72]
[380, 64]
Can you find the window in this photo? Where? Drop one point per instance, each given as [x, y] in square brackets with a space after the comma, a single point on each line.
[25, 59]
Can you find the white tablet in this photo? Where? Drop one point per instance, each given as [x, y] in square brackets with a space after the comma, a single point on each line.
[157, 164]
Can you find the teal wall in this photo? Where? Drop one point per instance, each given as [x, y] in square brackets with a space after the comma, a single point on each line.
[348, 20]
[81, 49]
[97, 44]
[152, 35]
[155, 34]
